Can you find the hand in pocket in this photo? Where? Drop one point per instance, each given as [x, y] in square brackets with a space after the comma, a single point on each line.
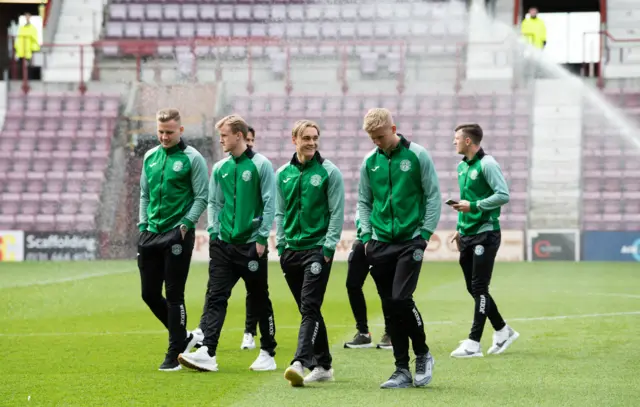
[260, 249]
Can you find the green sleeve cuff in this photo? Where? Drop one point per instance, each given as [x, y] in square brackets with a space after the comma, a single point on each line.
[425, 234]
[328, 252]
[474, 207]
[188, 223]
[280, 250]
[142, 227]
[365, 238]
[262, 240]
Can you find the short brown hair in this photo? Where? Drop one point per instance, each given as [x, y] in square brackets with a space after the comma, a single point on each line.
[301, 125]
[236, 123]
[167, 115]
[472, 130]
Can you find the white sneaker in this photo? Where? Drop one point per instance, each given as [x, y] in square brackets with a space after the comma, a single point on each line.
[502, 339]
[199, 360]
[295, 374]
[264, 362]
[319, 374]
[467, 349]
[248, 342]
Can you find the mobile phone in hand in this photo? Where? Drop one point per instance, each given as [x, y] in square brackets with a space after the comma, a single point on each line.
[451, 202]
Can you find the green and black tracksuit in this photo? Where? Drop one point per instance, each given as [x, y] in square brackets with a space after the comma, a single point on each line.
[399, 208]
[357, 271]
[240, 212]
[483, 185]
[309, 221]
[173, 192]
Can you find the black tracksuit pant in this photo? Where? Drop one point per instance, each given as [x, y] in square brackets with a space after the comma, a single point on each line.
[251, 319]
[164, 258]
[228, 263]
[395, 268]
[357, 271]
[307, 275]
[477, 256]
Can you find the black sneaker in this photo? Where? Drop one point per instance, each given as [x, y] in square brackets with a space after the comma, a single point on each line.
[385, 342]
[359, 341]
[400, 379]
[170, 363]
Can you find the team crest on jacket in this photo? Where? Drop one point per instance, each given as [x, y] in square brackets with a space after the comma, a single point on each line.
[473, 174]
[176, 249]
[177, 166]
[405, 165]
[316, 268]
[253, 265]
[315, 180]
[418, 254]
[246, 176]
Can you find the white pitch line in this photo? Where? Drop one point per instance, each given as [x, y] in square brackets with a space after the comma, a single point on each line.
[587, 294]
[621, 295]
[78, 277]
[235, 329]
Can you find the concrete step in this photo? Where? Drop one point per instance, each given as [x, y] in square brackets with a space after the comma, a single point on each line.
[538, 194]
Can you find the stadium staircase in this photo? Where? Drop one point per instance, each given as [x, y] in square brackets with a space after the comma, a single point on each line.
[554, 194]
[80, 22]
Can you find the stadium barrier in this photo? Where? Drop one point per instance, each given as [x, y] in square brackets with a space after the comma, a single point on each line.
[553, 245]
[11, 245]
[45, 246]
[440, 247]
[611, 246]
[17, 245]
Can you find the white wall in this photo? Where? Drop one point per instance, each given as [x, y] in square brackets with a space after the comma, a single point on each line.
[572, 37]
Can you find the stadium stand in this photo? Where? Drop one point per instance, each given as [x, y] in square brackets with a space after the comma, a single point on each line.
[611, 170]
[53, 177]
[291, 20]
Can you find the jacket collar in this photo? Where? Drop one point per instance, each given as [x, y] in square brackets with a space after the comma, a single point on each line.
[181, 146]
[479, 155]
[249, 153]
[403, 142]
[316, 158]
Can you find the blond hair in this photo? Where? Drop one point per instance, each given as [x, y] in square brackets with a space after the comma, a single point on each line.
[377, 118]
[301, 125]
[236, 123]
[167, 115]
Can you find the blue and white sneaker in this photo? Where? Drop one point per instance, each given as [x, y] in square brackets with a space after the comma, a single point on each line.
[424, 370]
[400, 379]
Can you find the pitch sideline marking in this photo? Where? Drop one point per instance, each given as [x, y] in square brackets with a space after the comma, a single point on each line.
[235, 329]
[79, 277]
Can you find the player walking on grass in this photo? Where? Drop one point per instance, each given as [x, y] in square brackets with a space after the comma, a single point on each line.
[241, 190]
[251, 320]
[357, 270]
[309, 220]
[173, 195]
[399, 208]
[483, 190]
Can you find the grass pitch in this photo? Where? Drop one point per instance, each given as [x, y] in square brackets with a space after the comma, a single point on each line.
[78, 334]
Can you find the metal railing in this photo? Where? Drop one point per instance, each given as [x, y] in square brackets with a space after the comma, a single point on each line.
[91, 60]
